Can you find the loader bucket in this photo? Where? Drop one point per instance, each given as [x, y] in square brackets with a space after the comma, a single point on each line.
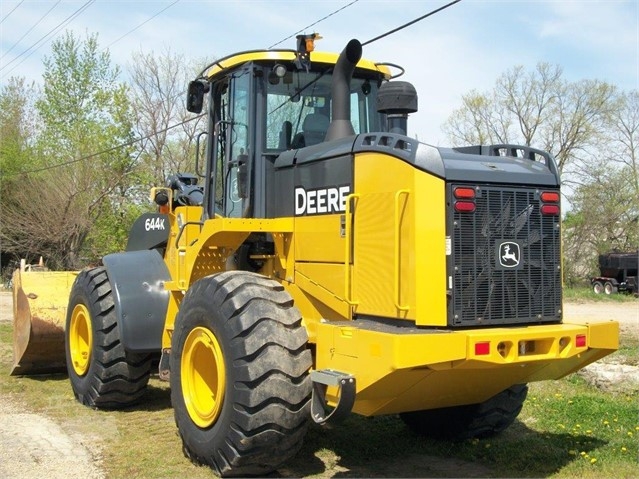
[40, 301]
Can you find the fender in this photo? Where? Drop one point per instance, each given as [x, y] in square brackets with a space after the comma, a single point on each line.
[149, 231]
[137, 280]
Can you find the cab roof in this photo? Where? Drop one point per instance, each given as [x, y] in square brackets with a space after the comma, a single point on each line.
[240, 58]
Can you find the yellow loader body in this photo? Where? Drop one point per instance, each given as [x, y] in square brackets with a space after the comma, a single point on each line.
[385, 263]
[329, 263]
[412, 370]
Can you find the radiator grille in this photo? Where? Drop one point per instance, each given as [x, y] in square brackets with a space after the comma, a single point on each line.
[488, 287]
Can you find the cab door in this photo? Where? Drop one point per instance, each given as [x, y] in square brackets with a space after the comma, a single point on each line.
[238, 152]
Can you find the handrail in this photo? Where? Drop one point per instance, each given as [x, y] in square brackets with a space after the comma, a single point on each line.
[348, 242]
[397, 258]
[177, 240]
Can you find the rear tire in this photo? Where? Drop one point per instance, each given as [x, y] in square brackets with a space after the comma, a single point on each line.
[473, 421]
[597, 287]
[240, 386]
[609, 288]
[101, 372]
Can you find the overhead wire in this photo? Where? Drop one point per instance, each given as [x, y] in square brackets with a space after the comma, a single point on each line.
[108, 150]
[51, 33]
[12, 10]
[395, 30]
[123, 145]
[313, 24]
[141, 24]
[29, 31]
[132, 142]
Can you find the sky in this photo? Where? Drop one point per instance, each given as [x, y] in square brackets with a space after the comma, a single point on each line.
[465, 47]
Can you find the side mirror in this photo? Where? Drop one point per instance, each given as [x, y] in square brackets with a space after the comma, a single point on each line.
[195, 96]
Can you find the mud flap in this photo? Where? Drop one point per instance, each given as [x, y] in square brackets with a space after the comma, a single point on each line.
[141, 302]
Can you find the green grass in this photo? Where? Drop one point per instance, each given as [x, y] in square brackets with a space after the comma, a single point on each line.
[583, 293]
[567, 428]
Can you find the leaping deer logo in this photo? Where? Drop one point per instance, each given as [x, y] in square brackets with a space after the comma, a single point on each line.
[509, 254]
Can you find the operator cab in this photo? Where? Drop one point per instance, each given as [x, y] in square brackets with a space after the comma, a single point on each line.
[263, 103]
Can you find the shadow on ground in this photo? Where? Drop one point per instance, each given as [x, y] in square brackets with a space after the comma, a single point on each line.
[384, 447]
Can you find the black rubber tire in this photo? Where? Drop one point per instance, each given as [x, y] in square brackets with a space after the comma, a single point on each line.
[473, 421]
[609, 288]
[115, 378]
[266, 407]
[597, 287]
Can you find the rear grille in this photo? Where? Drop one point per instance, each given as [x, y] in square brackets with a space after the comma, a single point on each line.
[504, 261]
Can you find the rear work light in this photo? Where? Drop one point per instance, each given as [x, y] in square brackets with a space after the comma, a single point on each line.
[550, 197]
[466, 195]
[463, 193]
[464, 206]
[550, 210]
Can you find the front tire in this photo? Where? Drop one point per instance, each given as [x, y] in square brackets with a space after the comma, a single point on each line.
[473, 421]
[101, 372]
[240, 387]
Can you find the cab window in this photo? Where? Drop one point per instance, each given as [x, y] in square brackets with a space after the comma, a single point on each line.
[298, 107]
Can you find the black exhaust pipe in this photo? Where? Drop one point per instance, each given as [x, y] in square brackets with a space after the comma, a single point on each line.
[341, 125]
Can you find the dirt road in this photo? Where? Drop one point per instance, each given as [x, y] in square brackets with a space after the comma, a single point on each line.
[627, 313]
[32, 445]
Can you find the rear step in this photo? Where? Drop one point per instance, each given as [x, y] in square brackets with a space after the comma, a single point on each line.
[320, 411]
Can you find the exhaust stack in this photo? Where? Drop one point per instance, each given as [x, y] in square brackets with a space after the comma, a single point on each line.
[341, 125]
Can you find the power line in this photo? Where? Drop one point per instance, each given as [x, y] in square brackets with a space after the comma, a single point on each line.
[433, 12]
[313, 24]
[132, 142]
[29, 31]
[141, 24]
[9, 14]
[51, 32]
[108, 150]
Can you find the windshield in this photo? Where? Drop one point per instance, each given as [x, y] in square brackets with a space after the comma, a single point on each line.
[298, 106]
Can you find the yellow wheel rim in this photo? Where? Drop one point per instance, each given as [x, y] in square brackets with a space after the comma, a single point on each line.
[203, 376]
[80, 339]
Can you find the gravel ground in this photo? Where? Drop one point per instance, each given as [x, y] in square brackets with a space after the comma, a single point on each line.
[609, 373]
[33, 446]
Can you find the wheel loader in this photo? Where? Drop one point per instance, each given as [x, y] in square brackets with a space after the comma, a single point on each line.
[320, 262]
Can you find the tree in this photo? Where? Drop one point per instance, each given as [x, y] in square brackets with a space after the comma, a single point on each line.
[591, 129]
[158, 89]
[78, 168]
[624, 136]
[17, 124]
[538, 109]
[605, 217]
[579, 114]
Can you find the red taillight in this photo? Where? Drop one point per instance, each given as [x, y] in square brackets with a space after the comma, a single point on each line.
[482, 349]
[464, 206]
[550, 197]
[580, 341]
[464, 193]
[550, 210]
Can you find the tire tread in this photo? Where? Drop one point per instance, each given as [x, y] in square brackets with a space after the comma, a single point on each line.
[266, 350]
[116, 378]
